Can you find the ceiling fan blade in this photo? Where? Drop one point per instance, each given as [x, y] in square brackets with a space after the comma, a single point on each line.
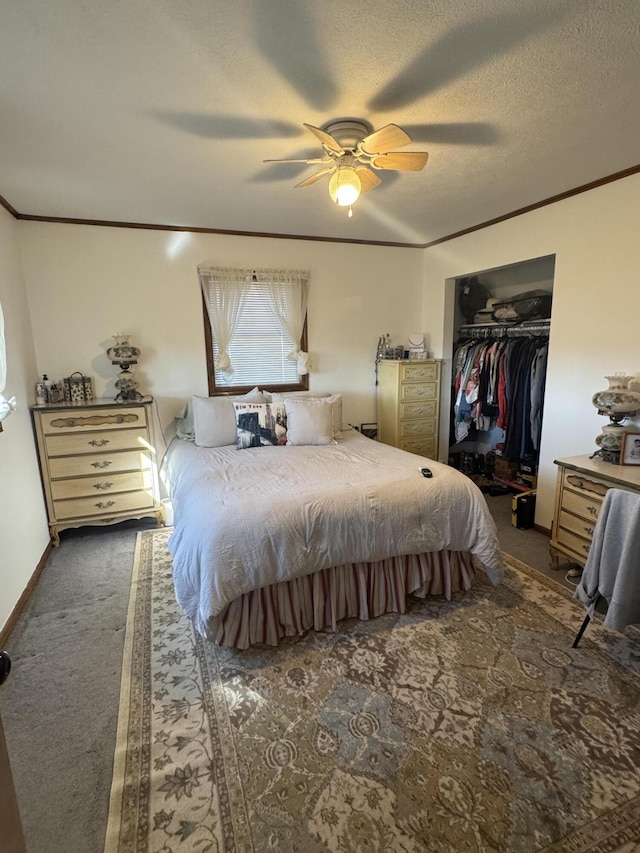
[386, 139]
[401, 161]
[315, 177]
[327, 140]
[368, 179]
[311, 161]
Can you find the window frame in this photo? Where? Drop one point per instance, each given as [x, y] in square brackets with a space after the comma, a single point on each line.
[301, 385]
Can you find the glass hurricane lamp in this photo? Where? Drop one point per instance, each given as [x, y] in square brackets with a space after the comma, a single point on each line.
[618, 402]
[123, 354]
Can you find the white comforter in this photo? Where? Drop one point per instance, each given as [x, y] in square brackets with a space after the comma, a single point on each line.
[248, 518]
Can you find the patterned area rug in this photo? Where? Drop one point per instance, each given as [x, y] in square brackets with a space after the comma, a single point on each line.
[469, 725]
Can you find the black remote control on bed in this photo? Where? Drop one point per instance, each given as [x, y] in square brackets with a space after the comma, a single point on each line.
[426, 472]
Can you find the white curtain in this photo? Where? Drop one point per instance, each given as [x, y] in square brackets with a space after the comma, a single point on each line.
[225, 291]
[289, 293]
[6, 406]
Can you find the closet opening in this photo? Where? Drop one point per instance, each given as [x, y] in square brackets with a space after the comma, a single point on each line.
[500, 328]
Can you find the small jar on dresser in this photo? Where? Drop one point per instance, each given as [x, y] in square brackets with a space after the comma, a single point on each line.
[97, 461]
[408, 404]
[581, 486]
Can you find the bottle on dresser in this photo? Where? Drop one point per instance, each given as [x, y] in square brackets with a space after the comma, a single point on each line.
[41, 392]
[43, 388]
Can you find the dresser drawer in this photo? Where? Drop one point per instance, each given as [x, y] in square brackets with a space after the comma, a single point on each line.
[427, 409]
[132, 481]
[96, 442]
[421, 446]
[419, 391]
[419, 372]
[103, 419]
[100, 463]
[409, 429]
[102, 505]
[585, 485]
[586, 506]
[577, 544]
[577, 525]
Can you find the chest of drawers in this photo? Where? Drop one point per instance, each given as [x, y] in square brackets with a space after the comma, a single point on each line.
[581, 486]
[408, 403]
[98, 463]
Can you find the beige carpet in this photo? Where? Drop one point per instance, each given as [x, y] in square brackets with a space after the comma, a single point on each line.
[469, 725]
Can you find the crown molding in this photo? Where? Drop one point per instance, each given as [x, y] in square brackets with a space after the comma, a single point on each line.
[4, 203]
[616, 176]
[108, 223]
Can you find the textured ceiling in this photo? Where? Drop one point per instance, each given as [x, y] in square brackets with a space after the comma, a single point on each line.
[162, 111]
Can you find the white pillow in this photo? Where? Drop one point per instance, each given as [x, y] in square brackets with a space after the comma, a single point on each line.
[334, 399]
[214, 418]
[309, 421]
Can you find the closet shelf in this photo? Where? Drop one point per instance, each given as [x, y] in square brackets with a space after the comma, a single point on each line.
[528, 328]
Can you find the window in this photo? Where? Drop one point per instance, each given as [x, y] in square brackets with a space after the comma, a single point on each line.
[259, 313]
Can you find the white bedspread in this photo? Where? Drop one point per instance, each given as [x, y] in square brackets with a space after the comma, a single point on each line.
[245, 519]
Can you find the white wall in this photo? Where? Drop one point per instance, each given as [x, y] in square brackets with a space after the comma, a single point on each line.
[86, 283]
[23, 524]
[596, 307]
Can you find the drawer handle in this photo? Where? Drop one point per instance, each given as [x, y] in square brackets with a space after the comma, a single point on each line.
[94, 420]
[104, 504]
[104, 464]
[585, 548]
[593, 510]
[100, 443]
[102, 485]
[588, 531]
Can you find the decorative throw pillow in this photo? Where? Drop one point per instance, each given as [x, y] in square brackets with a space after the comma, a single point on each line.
[214, 418]
[335, 399]
[309, 421]
[260, 425]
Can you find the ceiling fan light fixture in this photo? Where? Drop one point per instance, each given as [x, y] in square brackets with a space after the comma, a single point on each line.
[345, 186]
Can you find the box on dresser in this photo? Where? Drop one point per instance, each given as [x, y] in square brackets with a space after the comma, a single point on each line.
[97, 462]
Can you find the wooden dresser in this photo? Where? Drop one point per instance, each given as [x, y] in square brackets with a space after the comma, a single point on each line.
[408, 402]
[98, 462]
[582, 484]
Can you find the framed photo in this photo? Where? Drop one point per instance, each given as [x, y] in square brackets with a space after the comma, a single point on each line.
[370, 430]
[630, 450]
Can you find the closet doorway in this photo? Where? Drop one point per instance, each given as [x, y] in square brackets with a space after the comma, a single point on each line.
[499, 322]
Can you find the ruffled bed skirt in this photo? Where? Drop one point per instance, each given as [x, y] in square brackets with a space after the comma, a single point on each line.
[321, 600]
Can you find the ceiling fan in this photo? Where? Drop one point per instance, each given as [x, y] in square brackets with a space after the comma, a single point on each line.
[351, 153]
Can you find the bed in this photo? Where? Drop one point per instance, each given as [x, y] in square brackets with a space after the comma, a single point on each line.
[273, 541]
